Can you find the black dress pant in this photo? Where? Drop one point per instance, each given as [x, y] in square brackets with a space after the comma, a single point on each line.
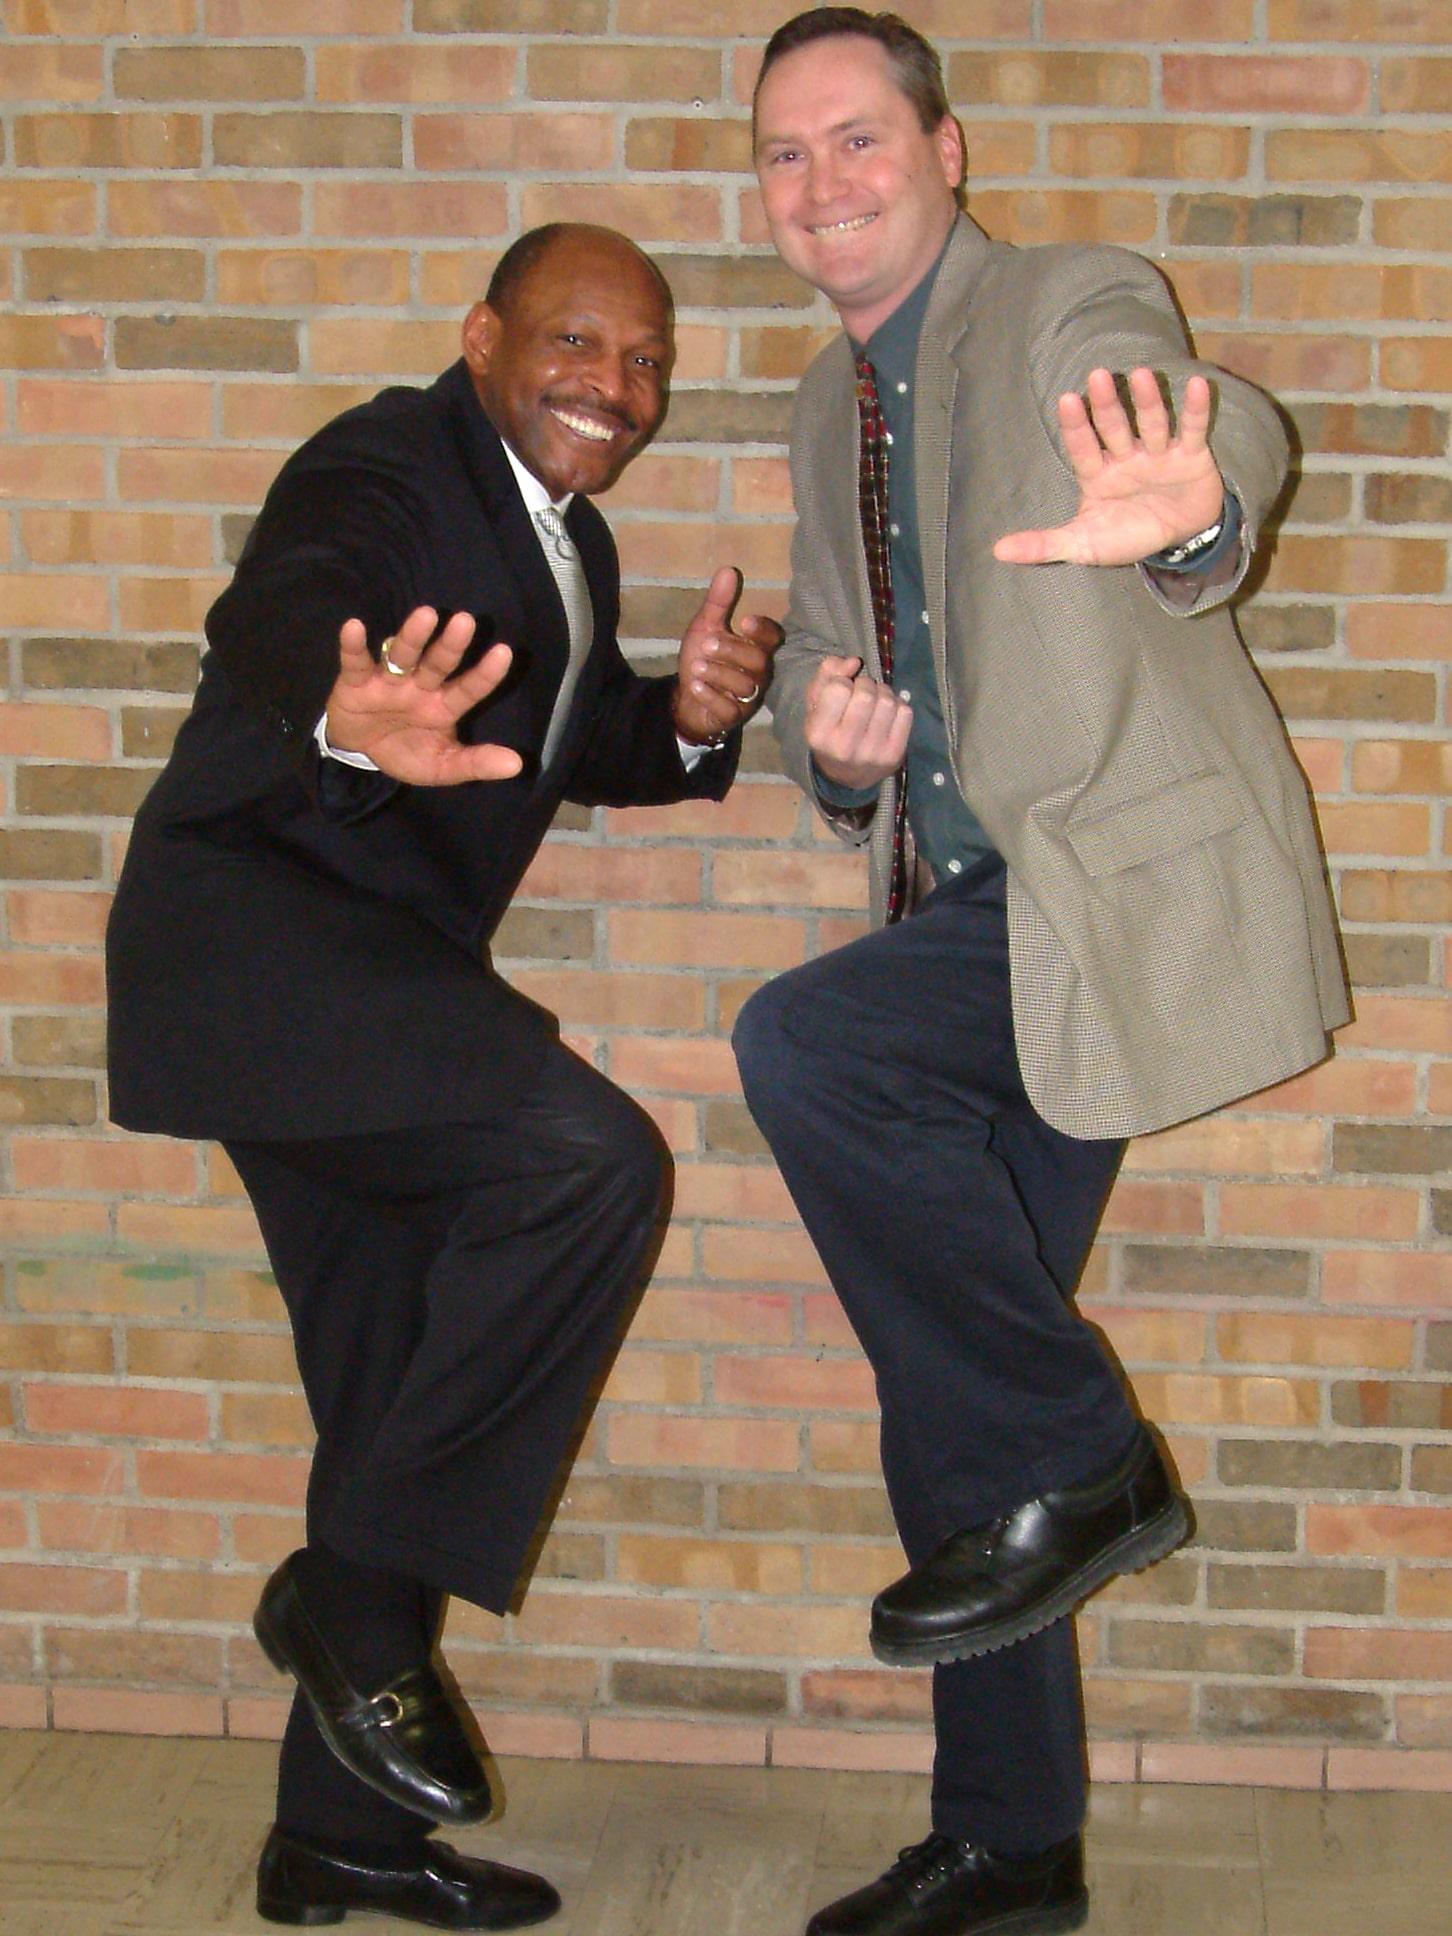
[954, 1223]
[454, 1293]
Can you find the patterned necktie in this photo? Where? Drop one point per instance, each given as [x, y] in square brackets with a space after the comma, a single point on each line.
[872, 505]
[569, 575]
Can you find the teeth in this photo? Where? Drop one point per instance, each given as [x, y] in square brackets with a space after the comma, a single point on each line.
[844, 228]
[585, 427]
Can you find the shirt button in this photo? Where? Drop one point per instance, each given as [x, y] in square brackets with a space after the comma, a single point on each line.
[896, 530]
[904, 695]
[888, 435]
[955, 867]
[924, 617]
[940, 779]
[902, 389]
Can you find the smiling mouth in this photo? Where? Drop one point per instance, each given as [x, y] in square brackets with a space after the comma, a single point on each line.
[590, 428]
[847, 227]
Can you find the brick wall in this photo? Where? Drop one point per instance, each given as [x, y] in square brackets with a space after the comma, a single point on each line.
[223, 220]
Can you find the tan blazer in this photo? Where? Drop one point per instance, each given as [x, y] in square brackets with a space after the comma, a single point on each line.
[1171, 935]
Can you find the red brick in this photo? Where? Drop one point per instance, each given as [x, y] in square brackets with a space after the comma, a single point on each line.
[245, 1478]
[61, 1589]
[101, 1411]
[728, 1444]
[146, 1530]
[1417, 1532]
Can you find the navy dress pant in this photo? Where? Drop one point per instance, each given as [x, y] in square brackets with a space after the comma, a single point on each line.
[954, 1223]
[454, 1295]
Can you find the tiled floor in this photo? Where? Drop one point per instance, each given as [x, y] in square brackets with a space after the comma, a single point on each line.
[109, 1835]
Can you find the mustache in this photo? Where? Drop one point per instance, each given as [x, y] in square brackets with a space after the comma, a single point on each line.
[592, 407]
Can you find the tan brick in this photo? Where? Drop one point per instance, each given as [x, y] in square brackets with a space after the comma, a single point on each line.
[206, 343]
[1418, 362]
[716, 1565]
[408, 208]
[650, 212]
[561, 142]
[111, 275]
[31, 71]
[619, 71]
[210, 73]
[733, 1444]
[1024, 80]
[312, 277]
[1289, 1712]
[1207, 220]
[85, 141]
[1296, 1589]
[1157, 21]
[1388, 628]
[1124, 217]
[1139, 150]
[1418, 1532]
[1415, 86]
[1199, 1648]
[1266, 84]
[303, 139]
[51, 342]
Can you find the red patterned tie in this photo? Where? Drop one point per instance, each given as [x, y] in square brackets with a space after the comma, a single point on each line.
[872, 504]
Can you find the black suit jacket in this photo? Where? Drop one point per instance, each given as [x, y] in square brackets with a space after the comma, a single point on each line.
[301, 949]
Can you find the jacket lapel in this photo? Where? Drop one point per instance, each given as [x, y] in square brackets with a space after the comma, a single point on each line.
[943, 328]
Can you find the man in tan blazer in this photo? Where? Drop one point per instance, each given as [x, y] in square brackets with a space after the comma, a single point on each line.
[1026, 694]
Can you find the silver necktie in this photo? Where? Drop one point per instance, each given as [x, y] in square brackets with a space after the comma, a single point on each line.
[569, 575]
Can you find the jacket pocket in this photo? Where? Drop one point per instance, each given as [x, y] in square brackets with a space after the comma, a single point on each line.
[1177, 817]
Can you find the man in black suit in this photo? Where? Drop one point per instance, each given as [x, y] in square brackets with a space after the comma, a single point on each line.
[414, 664]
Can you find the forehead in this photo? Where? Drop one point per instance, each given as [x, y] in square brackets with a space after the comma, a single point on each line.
[842, 75]
[588, 281]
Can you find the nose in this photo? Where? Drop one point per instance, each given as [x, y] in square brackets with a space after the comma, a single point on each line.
[824, 177]
[608, 376]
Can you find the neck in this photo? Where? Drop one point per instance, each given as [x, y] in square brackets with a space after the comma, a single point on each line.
[861, 322]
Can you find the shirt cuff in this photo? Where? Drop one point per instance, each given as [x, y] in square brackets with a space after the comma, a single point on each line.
[1171, 563]
[692, 753]
[834, 795]
[360, 760]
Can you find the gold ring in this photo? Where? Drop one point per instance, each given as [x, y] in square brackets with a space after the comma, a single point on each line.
[399, 672]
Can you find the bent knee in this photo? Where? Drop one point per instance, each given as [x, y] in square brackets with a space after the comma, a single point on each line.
[759, 1041]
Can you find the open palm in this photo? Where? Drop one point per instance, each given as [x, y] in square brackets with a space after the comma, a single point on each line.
[406, 719]
[1145, 484]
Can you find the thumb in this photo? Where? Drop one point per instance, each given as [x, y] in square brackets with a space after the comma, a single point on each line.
[721, 594]
[831, 668]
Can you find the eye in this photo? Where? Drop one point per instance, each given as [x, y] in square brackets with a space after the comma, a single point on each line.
[860, 141]
[783, 155]
[648, 362]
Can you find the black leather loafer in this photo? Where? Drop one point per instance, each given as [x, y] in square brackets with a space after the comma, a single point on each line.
[946, 1888]
[446, 1890]
[1001, 1581]
[406, 1740]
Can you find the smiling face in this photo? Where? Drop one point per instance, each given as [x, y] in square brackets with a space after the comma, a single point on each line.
[572, 370]
[858, 194]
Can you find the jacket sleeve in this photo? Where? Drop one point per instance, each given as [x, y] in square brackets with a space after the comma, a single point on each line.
[1110, 308]
[631, 757]
[342, 534]
[811, 634]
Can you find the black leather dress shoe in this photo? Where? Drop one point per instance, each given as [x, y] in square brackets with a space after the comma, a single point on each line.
[946, 1888]
[1006, 1579]
[446, 1890]
[406, 1740]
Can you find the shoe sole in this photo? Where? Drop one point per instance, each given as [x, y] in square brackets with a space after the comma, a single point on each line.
[306, 1914]
[313, 1914]
[1142, 1548]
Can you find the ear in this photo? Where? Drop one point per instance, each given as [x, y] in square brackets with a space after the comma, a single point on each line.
[952, 151]
[480, 337]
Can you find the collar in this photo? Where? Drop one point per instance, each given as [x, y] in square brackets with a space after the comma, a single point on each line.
[535, 496]
[893, 345]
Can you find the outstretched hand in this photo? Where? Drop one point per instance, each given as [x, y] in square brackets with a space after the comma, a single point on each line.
[724, 669]
[1145, 485]
[402, 711]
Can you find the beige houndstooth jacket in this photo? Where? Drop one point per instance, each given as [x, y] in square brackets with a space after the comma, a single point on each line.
[1171, 936]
